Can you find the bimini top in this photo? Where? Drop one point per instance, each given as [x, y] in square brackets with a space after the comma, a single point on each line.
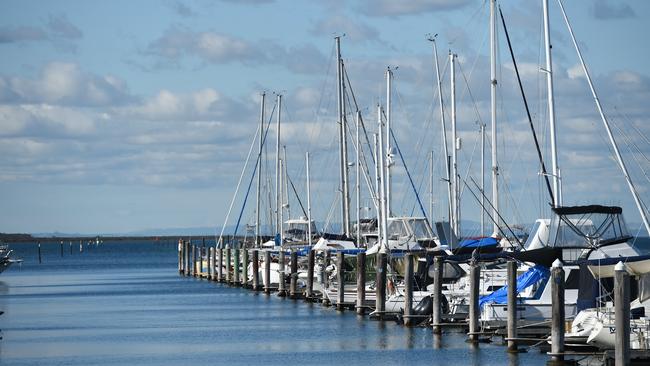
[587, 226]
[597, 209]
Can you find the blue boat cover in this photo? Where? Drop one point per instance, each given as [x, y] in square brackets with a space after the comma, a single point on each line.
[531, 277]
[478, 243]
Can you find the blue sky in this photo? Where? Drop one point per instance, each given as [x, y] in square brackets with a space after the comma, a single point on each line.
[120, 116]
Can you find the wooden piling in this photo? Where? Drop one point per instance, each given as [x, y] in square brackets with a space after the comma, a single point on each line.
[210, 263]
[325, 278]
[214, 263]
[437, 294]
[244, 268]
[256, 270]
[228, 265]
[186, 258]
[622, 315]
[340, 278]
[195, 254]
[220, 264]
[408, 290]
[70, 247]
[39, 253]
[380, 301]
[282, 288]
[474, 282]
[236, 268]
[557, 315]
[310, 274]
[61, 248]
[361, 283]
[512, 306]
[267, 272]
[180, 257]
[293, 285]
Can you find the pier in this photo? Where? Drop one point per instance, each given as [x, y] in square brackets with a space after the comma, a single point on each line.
[547, 337]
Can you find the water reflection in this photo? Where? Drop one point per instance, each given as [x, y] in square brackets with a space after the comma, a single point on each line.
[410, 337]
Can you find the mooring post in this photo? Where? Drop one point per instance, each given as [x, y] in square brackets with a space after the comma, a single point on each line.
[474, 283]
[228, 265]
[325, 278]
[361, 283]
[186, 258]
[408, 289]
[293, 285]
[282, 289]
[256, 270]
[512, 306]
[220, 264]
[557, 315]
[197, 255]
[622, 315]
[61, 248]
[340, 278]
[210, 263]
[180, 257]
[380, 301]
[437, 294]
[267, 272]
[236, 269]
[71, 247]
[214, 263]
[39, 252]
[310, 274]
[244, 268]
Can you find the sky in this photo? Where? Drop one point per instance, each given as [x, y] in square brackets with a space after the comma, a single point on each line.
[122, 116]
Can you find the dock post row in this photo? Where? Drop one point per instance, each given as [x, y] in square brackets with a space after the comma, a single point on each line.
[190, 263]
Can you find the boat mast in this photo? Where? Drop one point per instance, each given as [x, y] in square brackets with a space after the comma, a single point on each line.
[381, 157]
[258, 240]
[308, 200]
[345, 195]
[482, 179]
[358, 178]
[378, 204]
[278, 199]
[493, 109]
[286, 181]
[389, 162]
[431, 189]
[621, 163]
[444, 131]
[454, 162]
[557, 184]
[281, 216]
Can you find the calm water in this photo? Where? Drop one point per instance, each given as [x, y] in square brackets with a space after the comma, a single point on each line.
[122, 304]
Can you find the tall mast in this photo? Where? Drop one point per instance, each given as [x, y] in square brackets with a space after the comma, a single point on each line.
[345, 196]
[431, 189]
[444, 129]
[286, 181]
[493, 108]
[308, 200]
[378, 204]
[258, 240]
[278, 196]
[389, 162]
[358, 178]
[482, 179]
[281, 210]
[621, 163]
[557, 188]
[454, 138]
[381, 157]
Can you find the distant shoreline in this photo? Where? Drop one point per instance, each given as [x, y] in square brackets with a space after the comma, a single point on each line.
[27, 238]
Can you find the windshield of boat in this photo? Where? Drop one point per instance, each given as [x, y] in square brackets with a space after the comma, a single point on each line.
[397, 229]
[587, 229]
[420, 228]
[533, 234]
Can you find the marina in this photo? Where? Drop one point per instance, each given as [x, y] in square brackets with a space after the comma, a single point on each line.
[477, 196]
